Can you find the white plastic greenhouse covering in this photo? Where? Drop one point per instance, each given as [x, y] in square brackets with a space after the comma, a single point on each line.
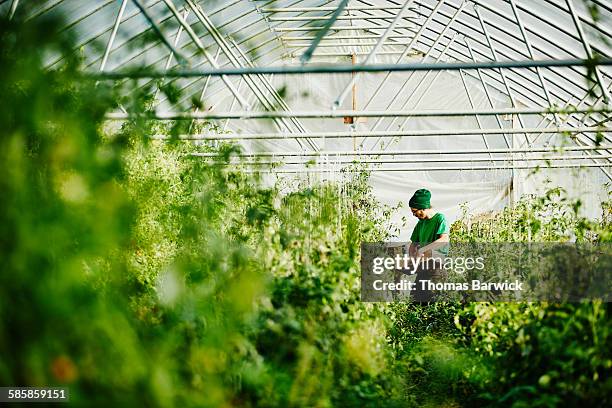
[496, 167]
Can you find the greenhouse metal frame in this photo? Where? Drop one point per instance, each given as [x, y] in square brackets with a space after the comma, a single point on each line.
[545, 68]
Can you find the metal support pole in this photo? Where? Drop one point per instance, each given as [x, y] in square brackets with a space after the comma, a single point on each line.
[514, 195]
[413, 42]
[429, 169]
[243, 115]
[158, 31]
[113, 34]
[348, 160]
[326, 8]
[340, 18]
[344, 54]
[349, 69]
[321, 33]
[587, 49]
[13, 9]
[177, 38]
[345, 37]
[374, 153]
[201, 47]
[531, 55]
[337, 28]
[501, 71]
[486, 91]
[387, 133]
[414, 91]
[473, 106]
[259, 93]
[373, 52]
[346, 44]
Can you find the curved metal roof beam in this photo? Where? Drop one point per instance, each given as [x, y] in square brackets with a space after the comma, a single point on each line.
[187, 44]
[232, 21]
[509, 33]
[562, 76]
[109, 29]
[142, 33]
[192, 82]
[382, 27]
[464, 57]
[44, 10]
[591, 24]
[531, 29]
[503, 44]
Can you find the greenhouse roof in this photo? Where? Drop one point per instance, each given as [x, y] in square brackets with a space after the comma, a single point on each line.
[416, 86]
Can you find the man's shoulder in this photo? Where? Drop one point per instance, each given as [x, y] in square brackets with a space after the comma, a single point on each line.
[439, 216]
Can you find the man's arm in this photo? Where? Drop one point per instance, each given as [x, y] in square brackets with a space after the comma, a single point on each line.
[414, 247]
[438, 243]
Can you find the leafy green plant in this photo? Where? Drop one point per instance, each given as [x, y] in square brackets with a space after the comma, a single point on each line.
[543, 354]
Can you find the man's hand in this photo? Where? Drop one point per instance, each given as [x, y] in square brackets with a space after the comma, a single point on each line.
[424, 253]
[419, 254]
[412, 249]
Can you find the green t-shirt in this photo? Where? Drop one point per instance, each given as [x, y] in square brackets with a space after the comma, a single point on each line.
[428, 230]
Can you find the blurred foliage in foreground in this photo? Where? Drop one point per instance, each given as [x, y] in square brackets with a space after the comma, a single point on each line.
[136, 274]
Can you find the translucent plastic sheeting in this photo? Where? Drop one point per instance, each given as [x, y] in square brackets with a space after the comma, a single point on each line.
[480, 191]
[261, 36]
[478, 196]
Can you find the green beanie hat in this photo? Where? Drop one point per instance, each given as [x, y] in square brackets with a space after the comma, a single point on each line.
[420, 199]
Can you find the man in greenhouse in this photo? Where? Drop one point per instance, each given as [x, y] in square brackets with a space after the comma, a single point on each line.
[429, 239]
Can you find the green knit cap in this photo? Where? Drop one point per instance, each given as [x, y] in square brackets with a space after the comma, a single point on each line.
[420, 199]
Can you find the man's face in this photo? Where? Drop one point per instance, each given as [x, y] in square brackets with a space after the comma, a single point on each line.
[420, 214]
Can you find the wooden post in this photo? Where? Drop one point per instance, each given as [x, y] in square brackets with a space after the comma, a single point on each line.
[349, 120]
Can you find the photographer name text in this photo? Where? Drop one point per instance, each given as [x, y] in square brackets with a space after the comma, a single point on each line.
[474, 285]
